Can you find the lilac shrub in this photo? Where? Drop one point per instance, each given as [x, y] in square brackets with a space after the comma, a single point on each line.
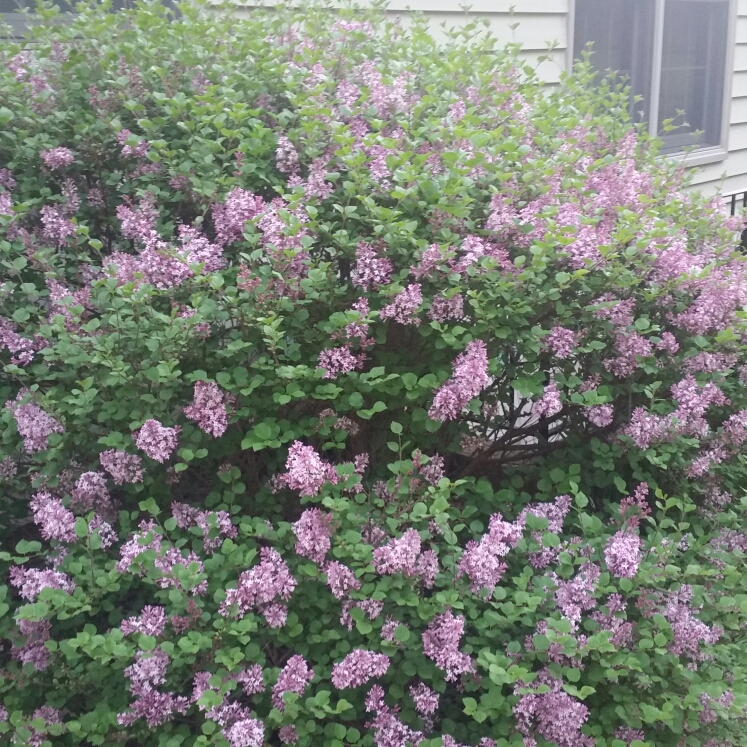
[358, 390]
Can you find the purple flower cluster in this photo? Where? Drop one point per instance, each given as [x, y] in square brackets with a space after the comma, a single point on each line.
[156, 440]
[90, 492]
[293, 678]
[156, 707]
[405, 305]
[622, 554]
[562, 342]
[34, 425]
[260, 588]
[306, 472]
[549, 404]
[341, 580]
[469, 378]
[57, 158]
[123, 467]
[388, 729]
[21, 349]
[151, 621]
[441, 644]
[52, 518]
[443, 309]
[358, 667]
[286, 156]
[31, 581]
[140, 150]
[555, 715]
[621, 631]
[600, 415]
[55, 226]
[288, 734]
[32, 650]
[313, 531]
[575, 595]
[337, 361]
[403, 555]
[230, 218]
[482, 561]
[425, 699]
[208, 408]
[630, 346]
[628, 735]
[688, 632]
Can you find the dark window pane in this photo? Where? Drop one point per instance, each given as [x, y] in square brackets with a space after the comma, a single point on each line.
[692, 71]
[622, 33]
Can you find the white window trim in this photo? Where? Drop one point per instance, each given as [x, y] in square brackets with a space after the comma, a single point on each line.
[698, 156]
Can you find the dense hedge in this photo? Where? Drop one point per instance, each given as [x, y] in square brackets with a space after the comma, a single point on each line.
[359, 390]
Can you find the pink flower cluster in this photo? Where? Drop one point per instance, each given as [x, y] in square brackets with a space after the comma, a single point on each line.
[156, 707]
[123, 467]
[562, 342]
[549, 404]
[554, 716]
[388, 729]
[168, 558]
[622, 554]
[306, 472]
[425, 699]
[341, 580]
[469, 378]
[337, 361]
[90, 492]
[405, 306]
[293, 678]
[31, 581]
[441, 644]
[260, 588]
[57, 158]
[151, 621]
[403, 555]
[575, 596]
[21, 349]
[215, 525]
[482, 561]
[157, 441]
[230, 218]
[208, 408]
[32, 650]
[313, 531]
[358, 667]
[34, 425]
[52, 518]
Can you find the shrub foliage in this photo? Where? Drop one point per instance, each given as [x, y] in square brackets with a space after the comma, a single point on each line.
[358, 391]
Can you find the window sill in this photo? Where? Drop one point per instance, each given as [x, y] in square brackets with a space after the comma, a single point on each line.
[699, 157]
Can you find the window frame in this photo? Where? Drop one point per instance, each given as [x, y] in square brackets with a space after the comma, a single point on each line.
[699, 156]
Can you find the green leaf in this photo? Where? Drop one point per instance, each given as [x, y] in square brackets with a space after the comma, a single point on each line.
[402, 633]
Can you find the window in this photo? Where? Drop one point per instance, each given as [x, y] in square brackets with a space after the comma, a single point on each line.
[674, 54]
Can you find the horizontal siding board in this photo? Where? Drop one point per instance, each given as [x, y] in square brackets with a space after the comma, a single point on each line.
[738, 137]
[739, 85]
[533, 7]
[739, 110]
[740, 57]
[734, 167]
[536, 7]
[742, 8]
[741, 35]
[532, 32]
